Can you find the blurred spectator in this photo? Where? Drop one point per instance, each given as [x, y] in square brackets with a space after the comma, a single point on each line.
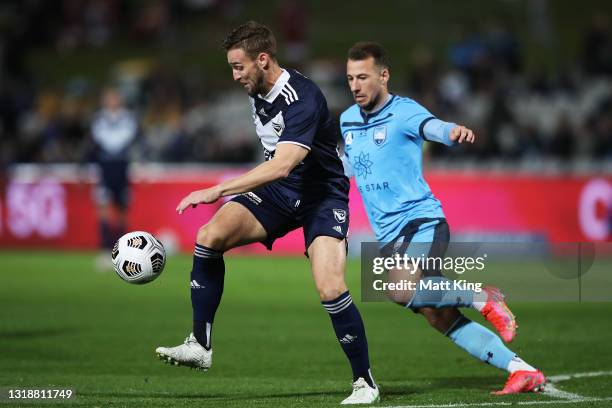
[562, 143]
[152, 20]
[601, 127]
[520, 112]
[87, 23]
[597, 46]
[503, 47]
[114, 132]
[162, 127]
[293, 21]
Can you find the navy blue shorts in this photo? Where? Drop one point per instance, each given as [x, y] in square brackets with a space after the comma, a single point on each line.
[280, 212]
[114, 184]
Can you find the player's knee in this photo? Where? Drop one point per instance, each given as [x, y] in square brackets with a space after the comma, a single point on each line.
[400, 297]
[211, 236]
[331, 290]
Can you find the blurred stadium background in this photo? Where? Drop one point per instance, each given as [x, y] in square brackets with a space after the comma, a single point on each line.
[532, 78]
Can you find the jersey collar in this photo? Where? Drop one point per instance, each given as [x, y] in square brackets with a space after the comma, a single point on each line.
[368, 116]
[278, 86]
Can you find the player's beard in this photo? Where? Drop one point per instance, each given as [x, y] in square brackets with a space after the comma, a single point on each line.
[258, 85]
[372, 104]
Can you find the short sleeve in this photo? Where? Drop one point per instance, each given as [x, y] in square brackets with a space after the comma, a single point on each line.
[301, 123]
[415, 117]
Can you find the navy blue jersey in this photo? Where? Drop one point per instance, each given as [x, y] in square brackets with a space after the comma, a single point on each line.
[295, 111]
[113, 133]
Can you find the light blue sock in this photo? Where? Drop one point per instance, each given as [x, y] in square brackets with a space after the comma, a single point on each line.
[439, 298]
[480, 342]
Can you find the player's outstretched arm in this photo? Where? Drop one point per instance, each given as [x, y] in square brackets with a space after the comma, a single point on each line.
[448, 133]
[286, 157]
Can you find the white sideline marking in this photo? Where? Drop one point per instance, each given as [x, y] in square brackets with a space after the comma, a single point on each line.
[564, 397]
[565, 377]
[554, 392]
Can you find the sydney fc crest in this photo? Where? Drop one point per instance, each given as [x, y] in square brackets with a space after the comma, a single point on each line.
[380, 135]
[340, 215]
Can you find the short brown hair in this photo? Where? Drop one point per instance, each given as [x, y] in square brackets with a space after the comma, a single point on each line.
[253, 38]
[366, 49]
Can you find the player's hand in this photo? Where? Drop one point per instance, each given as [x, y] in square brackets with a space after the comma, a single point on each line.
[206, 196]
[462, 134]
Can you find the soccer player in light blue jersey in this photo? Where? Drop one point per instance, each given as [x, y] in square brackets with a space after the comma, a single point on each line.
[383, 136]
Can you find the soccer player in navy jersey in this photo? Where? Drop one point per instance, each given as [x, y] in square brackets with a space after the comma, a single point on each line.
[383, 136]
[301, 184]
[114, 132]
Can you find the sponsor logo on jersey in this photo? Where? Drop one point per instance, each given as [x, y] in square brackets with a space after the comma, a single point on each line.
[371, 187]
[363, 165]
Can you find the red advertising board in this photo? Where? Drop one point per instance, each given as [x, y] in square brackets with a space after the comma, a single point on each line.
[54, 212]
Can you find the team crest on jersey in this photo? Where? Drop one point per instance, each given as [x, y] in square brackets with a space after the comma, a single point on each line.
[380, 135]
[348, 139]
[278, 126]
[340, 215]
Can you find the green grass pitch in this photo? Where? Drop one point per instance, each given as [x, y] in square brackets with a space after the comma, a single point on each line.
[64, 325]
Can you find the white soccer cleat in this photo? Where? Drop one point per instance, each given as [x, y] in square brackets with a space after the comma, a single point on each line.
[189, 354]
[362, 394]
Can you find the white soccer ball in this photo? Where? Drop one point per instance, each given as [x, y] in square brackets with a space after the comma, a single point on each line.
[138, 257]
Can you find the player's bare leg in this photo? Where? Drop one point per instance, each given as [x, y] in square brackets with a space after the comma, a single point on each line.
[233, 225]
[440, 319]
[328, 262]
[485, 345]
[489, 302]
[472, 337]
[402, 296]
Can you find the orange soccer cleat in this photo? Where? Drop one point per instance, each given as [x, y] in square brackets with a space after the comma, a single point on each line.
[523, 381]
[497, 313]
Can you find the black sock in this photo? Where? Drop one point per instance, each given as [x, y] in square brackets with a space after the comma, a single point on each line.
[207, 277]
[351, 334]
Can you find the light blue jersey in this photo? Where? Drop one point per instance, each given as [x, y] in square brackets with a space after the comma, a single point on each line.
[384, 150]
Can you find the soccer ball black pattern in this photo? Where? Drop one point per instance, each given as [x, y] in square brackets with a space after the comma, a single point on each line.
[157, 262]
[137, 242]
[138, 257]
[131, 268]
[115, 251]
